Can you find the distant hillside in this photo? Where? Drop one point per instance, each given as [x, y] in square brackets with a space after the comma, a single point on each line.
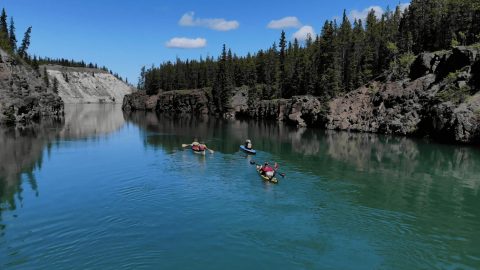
[87, 85]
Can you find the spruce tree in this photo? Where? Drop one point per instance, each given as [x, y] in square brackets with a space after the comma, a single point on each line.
[35, 64]
[22, 51]
[222, 87]
[55, 85]
[3, 23]
[4, 39]
[370, 62]
[281, 59]
[345, 41]
[45, 77]
[12, 36]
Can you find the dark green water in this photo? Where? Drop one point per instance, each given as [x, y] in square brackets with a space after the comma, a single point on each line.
[104, 190]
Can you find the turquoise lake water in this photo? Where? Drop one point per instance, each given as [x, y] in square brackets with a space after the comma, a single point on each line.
[107, 190]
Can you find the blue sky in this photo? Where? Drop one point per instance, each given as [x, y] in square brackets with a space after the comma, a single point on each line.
[125, 35]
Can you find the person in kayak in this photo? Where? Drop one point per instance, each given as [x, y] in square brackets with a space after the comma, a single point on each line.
[268, 171]
[248, 145]
[198, 147]
[195, 145]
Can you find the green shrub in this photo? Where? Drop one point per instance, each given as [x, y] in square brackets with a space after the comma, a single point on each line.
[454, 94]
[400, 67]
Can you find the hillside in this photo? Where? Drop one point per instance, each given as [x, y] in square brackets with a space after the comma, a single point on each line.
[23, 94]
[87, 85]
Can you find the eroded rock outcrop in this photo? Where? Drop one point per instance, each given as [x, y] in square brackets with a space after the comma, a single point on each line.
[87, 85]
[440, 100]
[23, 94]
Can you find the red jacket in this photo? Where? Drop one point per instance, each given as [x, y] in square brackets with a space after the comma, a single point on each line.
[267, 169]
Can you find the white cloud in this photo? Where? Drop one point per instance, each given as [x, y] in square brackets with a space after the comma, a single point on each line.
[303, 33]
[404, 6]
[188, 19]
[355, 14]
[286, 22]
[186, 43]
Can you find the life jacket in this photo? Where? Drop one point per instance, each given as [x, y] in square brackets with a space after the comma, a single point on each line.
[202, 147]
[267, 169]
[196, 147]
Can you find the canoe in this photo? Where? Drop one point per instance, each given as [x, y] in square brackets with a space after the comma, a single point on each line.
[273, 180]
[250, 151]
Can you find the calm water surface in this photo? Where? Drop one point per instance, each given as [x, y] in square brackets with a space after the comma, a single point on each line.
[104, 190]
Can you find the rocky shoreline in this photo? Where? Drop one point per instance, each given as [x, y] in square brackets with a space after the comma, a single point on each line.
[439, 99]
[24, 96]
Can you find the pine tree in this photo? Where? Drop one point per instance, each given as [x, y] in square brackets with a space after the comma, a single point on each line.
[22, 51]
[370, 62]
[35, 64]
[328, 66]
[281, 59]
[45, 77]
[3, 23]
[222, 87]
[4, 38]
[345, 41]
[13, 38]
[55, 85]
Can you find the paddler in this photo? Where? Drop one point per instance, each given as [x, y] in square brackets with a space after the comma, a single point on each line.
[195, 145]
[248, 145]
[267, 170]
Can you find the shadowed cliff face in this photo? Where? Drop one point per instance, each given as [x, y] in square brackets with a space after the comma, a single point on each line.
[23, 149]
[23, 94]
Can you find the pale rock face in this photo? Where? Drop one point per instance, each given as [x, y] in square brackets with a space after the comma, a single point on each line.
[82, 85]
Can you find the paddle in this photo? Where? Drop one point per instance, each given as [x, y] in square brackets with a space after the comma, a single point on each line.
[187, 145]
[280, 173]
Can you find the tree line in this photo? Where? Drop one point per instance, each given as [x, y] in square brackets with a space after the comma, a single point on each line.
[343, 57]
[67, 63]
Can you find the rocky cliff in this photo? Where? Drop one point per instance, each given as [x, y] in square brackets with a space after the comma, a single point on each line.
[175, 102]
[439, 99]
[87, 85]
[23, 94]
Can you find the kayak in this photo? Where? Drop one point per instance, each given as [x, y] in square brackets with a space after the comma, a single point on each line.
[200, 152]
[273, 180]
[250, 151]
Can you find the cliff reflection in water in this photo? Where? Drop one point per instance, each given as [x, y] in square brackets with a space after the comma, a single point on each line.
[22, 148]
[170, 132]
